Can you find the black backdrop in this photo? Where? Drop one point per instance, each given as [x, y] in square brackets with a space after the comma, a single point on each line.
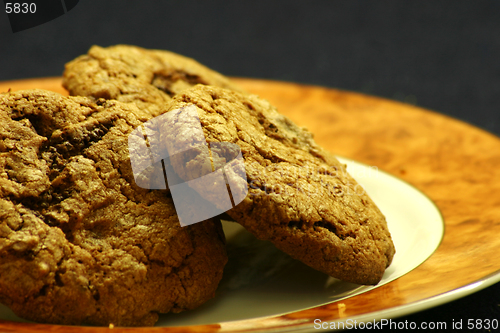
[440, 55]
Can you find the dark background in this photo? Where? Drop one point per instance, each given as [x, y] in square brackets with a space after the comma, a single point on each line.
[440, 55]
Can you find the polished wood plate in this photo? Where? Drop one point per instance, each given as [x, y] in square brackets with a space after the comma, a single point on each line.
[455, 164]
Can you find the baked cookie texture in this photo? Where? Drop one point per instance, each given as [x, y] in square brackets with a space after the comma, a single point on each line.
[80, 243]
[148, 78]
[300, 197]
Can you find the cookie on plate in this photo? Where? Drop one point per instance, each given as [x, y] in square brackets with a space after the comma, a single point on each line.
[148, 78]
[299, 196]
[80, 243]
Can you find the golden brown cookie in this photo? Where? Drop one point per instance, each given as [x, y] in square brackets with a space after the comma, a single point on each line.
[299, 196]
[80, 243]
[148, 78]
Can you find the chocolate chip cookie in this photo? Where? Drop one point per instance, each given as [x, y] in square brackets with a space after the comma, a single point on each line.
[299, 196]
[148, 78]
[80, 242]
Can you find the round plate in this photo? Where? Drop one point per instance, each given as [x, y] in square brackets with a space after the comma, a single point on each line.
[453, 163]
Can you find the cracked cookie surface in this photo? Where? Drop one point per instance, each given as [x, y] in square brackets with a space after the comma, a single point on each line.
[299, 196]
[148, 78]
[80, 243]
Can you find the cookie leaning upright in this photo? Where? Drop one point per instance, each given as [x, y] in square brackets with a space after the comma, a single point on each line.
[80, 243]
[148, 78]
[299, 196]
